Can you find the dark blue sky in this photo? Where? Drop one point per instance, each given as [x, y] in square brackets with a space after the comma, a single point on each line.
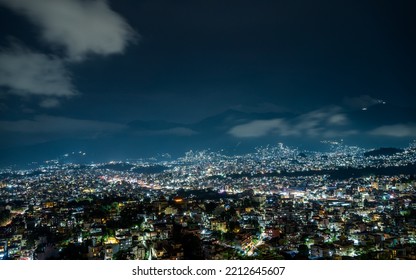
[83, 69]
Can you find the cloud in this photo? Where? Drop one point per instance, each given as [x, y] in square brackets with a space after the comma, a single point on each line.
[397, 130]
[49, 103]
[315, 122]
[257, 128]
[60, 126]
[327, 122]
[81, 27]
[29, 73]
[362, 101]
[178, 131]
[339, 133]
[338, 119]
[175, 131]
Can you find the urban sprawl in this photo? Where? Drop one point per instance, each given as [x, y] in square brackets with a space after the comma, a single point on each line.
[274, 203]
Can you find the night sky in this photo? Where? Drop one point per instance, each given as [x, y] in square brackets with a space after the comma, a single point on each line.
[205, 73]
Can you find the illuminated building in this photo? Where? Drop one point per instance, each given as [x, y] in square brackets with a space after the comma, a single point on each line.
[3, 249]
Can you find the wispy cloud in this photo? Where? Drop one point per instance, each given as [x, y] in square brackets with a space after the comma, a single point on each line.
[327, 122]
[80, 27]
[178, 131]
[397, 130]
[49, 103]
[258, 128]
[362, 101]
[338, 119]
[60, 126]
[25, 72]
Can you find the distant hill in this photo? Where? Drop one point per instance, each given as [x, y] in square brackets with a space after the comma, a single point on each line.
[148, 138]
[338, 174]
[383, 152]
[154, 169]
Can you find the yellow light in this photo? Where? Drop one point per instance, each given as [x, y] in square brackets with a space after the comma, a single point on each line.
[111, 240]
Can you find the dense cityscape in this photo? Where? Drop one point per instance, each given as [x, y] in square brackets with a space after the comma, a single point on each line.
[277, 202]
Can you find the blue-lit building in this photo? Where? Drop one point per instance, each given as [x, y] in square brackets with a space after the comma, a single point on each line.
[3, 249]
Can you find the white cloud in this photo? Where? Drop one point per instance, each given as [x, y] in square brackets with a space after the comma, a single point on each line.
[49, 103]
[60, 126]
[327, 122]
[397, 130]
[81, 27]
[339, 133]
[29, 73]
[316, 122]
[338, 119]
[257, 128]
